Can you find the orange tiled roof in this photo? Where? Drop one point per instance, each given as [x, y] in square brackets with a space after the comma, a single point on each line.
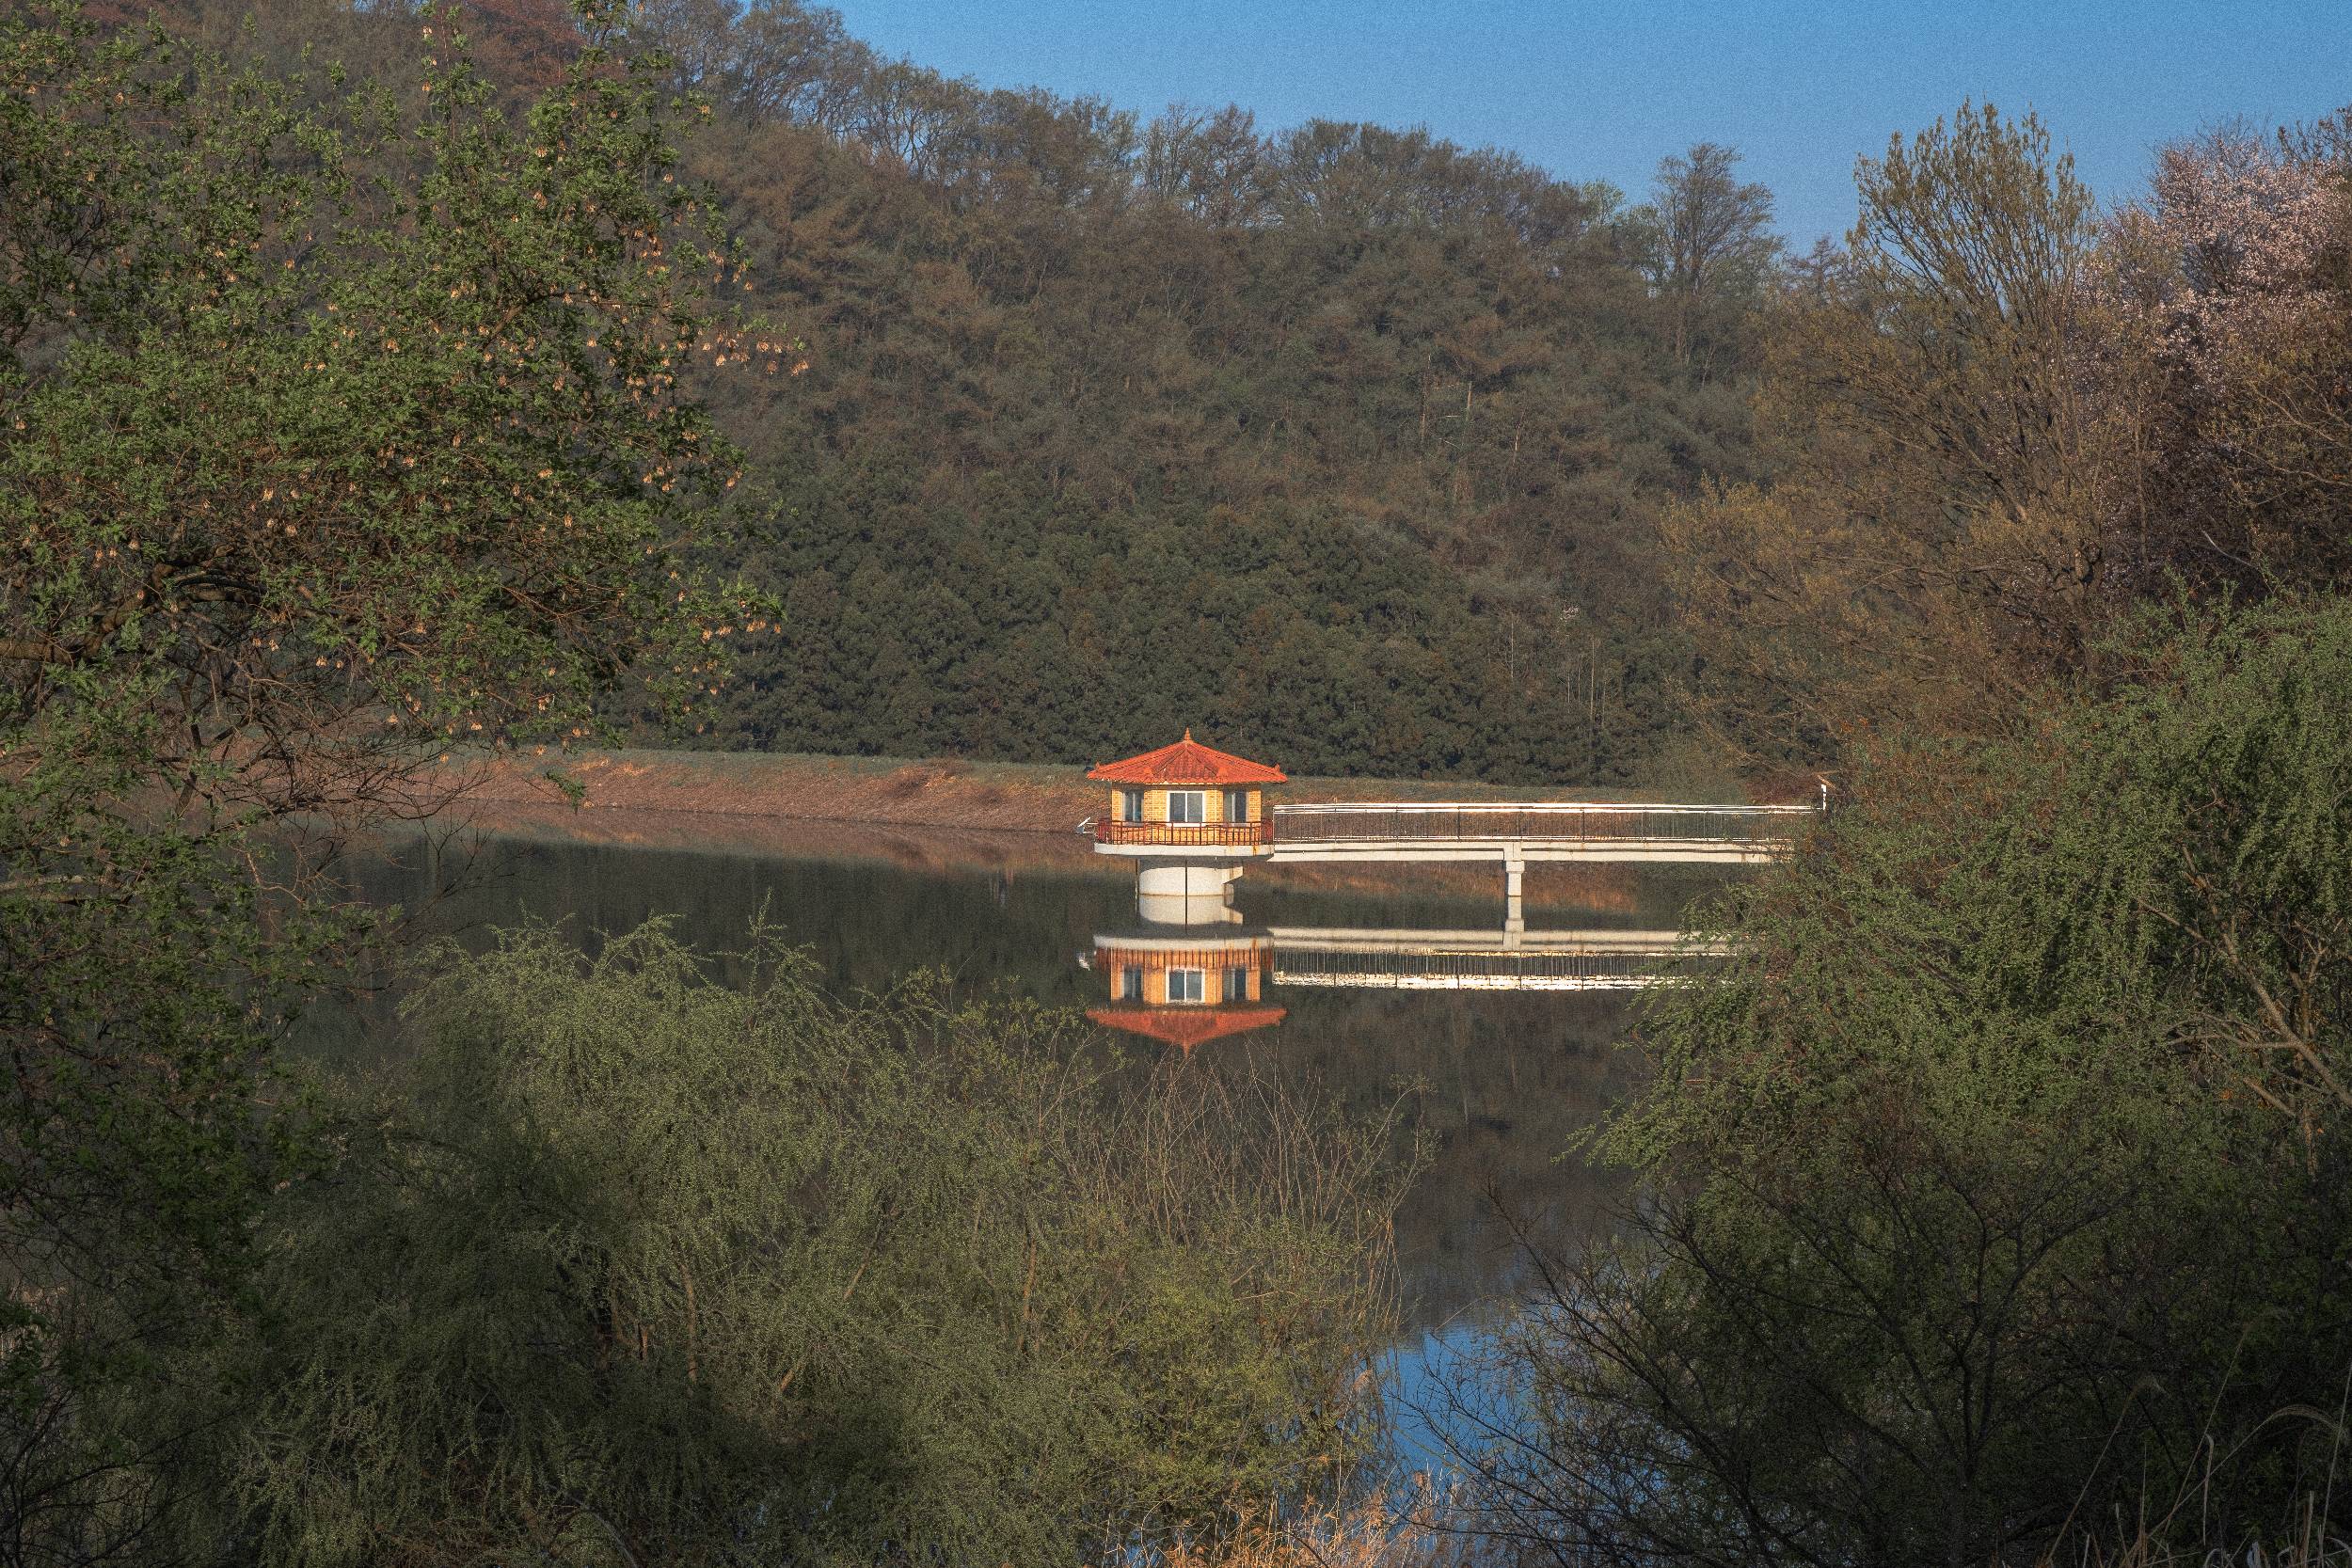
[1186, 1026]
[1187, 762]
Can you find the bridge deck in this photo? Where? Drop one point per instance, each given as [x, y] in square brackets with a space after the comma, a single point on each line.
[1428, 830]
[1417, 942]
[1550, 820]
[1551, 831]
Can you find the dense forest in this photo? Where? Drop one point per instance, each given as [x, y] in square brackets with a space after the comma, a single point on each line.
[1372, 453]
[1344, 444]
[1073, 427]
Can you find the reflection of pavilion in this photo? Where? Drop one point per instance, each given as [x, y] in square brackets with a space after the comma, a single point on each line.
[1185, 986]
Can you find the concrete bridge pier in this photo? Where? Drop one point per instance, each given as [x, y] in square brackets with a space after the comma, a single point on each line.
[1187, 879]
[1513, 880]
[1186, 893]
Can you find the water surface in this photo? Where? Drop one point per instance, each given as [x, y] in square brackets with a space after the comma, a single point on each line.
[1503, 1078]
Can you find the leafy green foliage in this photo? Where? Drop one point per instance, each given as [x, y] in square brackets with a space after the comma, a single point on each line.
[327, 435]
[703, 1263]
[1366, 483]
[142, 980]
[1995, 1192]
[1344, 444]
[361, 423]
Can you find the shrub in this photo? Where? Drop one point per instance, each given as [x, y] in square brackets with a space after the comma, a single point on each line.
[643, 1261]
[1999, 1186]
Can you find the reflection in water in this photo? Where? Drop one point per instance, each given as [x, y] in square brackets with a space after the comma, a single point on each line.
[1505, 1049]
[1185, 986]
[1173, 967]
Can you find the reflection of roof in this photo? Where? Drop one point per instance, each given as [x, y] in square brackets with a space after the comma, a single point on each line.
[1186, 1026]
[1187, 762]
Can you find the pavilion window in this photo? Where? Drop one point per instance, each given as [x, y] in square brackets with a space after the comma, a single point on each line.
[1131, 805]
[1237, 983]
[1187, 984]
[1187, 805]
[1237, 805]
[1131, 985]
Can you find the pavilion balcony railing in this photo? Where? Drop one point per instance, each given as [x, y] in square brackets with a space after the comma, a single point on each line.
[1555, 821]
[1184, 835]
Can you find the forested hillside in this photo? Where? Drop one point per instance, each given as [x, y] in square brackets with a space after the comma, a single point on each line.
[1374, 454]
[1344, 444]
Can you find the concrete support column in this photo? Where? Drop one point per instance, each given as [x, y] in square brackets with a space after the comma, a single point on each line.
[1186, 893]
[1514, 876]
[1192, 878]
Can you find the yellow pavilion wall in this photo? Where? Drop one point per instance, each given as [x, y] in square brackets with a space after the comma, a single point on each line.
[1212, 806]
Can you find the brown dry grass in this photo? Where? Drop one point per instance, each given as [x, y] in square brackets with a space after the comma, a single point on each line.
[2313, 1549]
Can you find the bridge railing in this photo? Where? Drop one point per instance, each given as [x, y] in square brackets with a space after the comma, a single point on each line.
[1580, 822]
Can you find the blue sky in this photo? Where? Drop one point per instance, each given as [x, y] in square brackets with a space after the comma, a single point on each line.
[1603, 88]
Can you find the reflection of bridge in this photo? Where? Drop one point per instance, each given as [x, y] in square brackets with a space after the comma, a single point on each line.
[1481, 960]
[1186, 985]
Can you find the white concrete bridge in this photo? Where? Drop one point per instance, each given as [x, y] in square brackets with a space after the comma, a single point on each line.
[1547, 830]
[1180, 863]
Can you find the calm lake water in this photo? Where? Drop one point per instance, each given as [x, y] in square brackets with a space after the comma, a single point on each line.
[1503, 1078]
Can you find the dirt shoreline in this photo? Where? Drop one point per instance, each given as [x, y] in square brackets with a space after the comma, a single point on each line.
[990, 796]
[935, 815]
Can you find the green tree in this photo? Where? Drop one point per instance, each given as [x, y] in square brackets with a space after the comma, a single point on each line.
[1157, 376]
[1713, 236]
[331, 438]
[1933, 542]
[359, 434]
